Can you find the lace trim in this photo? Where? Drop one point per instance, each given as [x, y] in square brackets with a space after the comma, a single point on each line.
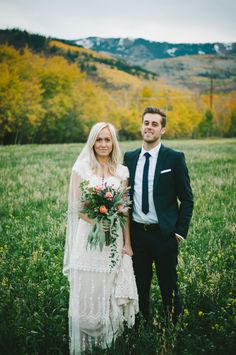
[93, 269]
[84, 171]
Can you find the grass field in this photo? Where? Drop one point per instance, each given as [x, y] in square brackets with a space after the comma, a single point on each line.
[34, 293]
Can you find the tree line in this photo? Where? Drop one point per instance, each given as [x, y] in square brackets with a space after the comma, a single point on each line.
[48, 99]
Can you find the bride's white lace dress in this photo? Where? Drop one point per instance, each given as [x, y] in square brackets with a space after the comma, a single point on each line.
[101, 297]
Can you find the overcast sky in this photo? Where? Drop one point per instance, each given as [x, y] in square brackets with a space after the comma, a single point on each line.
[189, 21]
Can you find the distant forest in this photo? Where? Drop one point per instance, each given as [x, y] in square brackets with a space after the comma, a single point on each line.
[52, 92]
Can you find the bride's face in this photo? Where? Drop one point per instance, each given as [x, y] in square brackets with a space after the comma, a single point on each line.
[103, 145]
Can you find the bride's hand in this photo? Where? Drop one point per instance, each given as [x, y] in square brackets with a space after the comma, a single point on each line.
[127, 250]
[85, 218]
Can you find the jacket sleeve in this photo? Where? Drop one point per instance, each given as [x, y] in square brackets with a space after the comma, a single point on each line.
[125, 159]
[184, 194]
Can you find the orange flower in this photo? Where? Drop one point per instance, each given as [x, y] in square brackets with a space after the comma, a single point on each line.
[103, 209]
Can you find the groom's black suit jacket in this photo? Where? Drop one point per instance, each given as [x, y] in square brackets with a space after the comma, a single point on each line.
[172, 192]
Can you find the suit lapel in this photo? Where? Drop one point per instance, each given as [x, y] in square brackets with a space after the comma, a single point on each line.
[159, 164]
[133, 166]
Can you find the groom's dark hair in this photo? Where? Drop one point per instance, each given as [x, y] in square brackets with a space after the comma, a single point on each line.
[154, 109]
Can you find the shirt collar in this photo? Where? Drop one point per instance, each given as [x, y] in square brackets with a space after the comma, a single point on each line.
[153, 152]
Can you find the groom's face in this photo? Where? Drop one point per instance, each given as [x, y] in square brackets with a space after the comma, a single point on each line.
[151, 128]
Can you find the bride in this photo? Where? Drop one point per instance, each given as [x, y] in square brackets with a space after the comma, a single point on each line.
[101, 297]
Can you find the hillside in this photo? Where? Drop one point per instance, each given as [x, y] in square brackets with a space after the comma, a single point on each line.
[87, 59]
[179, 65]
[112, 62]
[195, 72]
[52, 91]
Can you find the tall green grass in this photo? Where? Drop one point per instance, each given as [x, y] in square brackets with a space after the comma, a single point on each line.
[34, 293]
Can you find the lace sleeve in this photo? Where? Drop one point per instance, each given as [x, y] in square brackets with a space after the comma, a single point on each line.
[72, 219]
[123, 172]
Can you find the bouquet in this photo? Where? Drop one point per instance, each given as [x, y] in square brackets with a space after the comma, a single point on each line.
[107, 205]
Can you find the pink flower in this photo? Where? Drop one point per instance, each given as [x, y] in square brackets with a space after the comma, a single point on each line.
[98, 188]
[108, 195]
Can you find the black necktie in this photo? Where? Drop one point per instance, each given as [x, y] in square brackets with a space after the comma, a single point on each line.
[145, 206]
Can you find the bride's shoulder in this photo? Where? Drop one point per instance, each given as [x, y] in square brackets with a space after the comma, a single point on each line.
[123, 171]
[82, 168]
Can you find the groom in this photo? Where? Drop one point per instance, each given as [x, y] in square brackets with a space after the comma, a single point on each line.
[161, 212]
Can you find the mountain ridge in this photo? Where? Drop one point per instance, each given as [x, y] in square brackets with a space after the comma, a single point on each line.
[104, 60]
[139, 50]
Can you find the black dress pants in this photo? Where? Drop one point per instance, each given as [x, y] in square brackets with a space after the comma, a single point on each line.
[149, 246]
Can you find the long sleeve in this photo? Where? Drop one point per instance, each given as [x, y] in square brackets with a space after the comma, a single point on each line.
[185, 197]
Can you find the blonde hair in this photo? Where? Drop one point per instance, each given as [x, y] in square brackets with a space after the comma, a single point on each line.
[88, 150]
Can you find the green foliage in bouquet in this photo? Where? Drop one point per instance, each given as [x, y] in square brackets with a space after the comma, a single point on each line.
[107, 206]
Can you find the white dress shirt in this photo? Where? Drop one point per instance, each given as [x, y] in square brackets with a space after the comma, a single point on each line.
[138, 215]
